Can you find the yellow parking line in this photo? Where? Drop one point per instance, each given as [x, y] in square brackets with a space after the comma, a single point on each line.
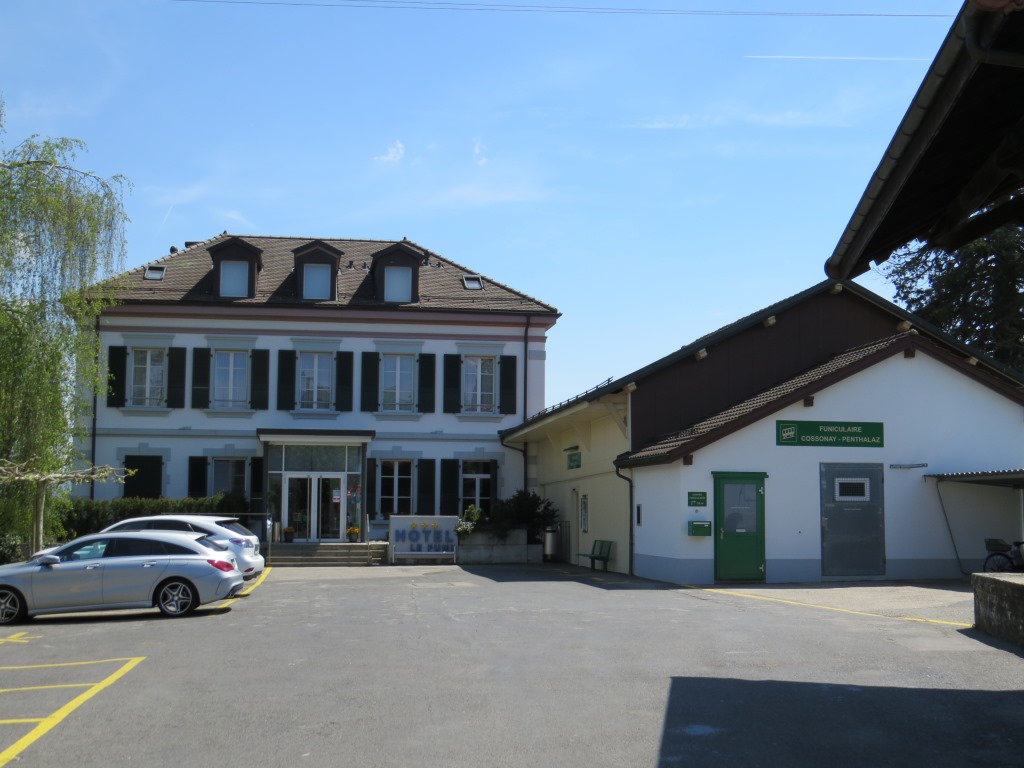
[827, 607]
[45, 724]
[259, 580]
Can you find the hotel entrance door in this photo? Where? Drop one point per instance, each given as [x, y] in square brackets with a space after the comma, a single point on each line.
[314, 506]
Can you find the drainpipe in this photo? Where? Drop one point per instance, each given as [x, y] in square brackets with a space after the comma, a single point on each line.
[630, 515]
[92, 439]
[526, 398]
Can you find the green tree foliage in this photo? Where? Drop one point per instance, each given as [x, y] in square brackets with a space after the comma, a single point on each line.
[61, 230]
[973, 293]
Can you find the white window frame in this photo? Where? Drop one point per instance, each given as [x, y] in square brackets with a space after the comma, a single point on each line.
[151, 392]
[397, 382]
[321, 374]
[316, 281]
[393, 479]
[479, 387]
[398, 284]
[472, 484]
[866, 482]
[232, 394]
[225, 472]
[231, 274]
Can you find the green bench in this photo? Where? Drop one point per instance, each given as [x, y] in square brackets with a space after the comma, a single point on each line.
[600, 551]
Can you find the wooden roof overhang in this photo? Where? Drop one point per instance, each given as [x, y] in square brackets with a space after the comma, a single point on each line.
[954, 170]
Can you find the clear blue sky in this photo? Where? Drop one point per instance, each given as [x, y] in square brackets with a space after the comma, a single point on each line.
[654, 176]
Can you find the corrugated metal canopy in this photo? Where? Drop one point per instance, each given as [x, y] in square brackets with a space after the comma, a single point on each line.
[1007, 478]
[959, 150]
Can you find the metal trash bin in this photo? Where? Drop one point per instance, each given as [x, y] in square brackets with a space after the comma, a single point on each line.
[550, 543]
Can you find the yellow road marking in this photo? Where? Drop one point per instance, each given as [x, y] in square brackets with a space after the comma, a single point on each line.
[259, 580]
[826, 607]
[19, 637]
[46, 724]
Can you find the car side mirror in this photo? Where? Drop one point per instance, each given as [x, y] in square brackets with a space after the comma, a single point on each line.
[49, 560]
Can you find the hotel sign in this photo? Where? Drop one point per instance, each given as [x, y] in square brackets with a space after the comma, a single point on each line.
[834, 434]
[422, 534]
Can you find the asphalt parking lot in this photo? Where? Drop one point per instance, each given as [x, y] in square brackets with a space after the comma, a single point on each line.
[518, 666]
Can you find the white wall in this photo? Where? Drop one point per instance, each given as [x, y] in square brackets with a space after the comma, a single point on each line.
[182, 432]
[932, 415]
[599, 440]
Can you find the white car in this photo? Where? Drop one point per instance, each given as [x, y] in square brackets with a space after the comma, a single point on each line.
[224, 530]
[175, 572]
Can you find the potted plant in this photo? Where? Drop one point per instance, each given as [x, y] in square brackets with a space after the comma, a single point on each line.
[353, 532]
[467, 521]
[289, 533]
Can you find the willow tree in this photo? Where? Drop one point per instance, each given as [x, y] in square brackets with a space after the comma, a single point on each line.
[61, 232]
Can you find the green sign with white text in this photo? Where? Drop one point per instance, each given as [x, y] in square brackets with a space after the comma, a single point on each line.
[835, 434]
[697, 498]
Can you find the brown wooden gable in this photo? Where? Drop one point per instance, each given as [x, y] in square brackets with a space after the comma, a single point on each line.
[759, 356]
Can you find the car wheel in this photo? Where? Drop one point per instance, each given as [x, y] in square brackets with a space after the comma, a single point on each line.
[12, 606]
[176, 598]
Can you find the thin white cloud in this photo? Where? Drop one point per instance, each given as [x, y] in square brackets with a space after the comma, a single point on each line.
[235, 217]
[394, 154]
[479, 153]
[841, 58]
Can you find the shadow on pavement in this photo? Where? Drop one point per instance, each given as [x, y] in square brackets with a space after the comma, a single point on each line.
[715, 721]
[563, 572]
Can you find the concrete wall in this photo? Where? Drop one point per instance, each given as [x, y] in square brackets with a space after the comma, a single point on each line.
[999, 605]
[485, 549]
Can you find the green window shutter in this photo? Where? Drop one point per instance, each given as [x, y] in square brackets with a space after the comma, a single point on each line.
[452, 384]
[285, 380]
[198, 472]
[256, 476]
[147, 482]
[117, 368]
[259, 385]
[176, 377]
[494, 485]
[507, 385]
[201, 377]
[343, 381]
[370, 492]
[425, 485]
[450, 487]
[369, 399]
[427, 384]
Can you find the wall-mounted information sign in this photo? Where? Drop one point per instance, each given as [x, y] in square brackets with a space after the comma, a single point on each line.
[697, 498]
[836, 434]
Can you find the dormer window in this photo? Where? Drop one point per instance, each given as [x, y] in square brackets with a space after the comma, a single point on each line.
[316, 281]
[234, 279]
[316, 271]
[398, 284]
[235, 266]
[396, 273]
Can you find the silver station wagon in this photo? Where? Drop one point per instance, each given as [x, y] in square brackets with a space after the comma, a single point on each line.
[175, 572]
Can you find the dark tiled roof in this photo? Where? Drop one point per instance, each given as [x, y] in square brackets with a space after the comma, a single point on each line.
[670, 447]
[188, 278]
